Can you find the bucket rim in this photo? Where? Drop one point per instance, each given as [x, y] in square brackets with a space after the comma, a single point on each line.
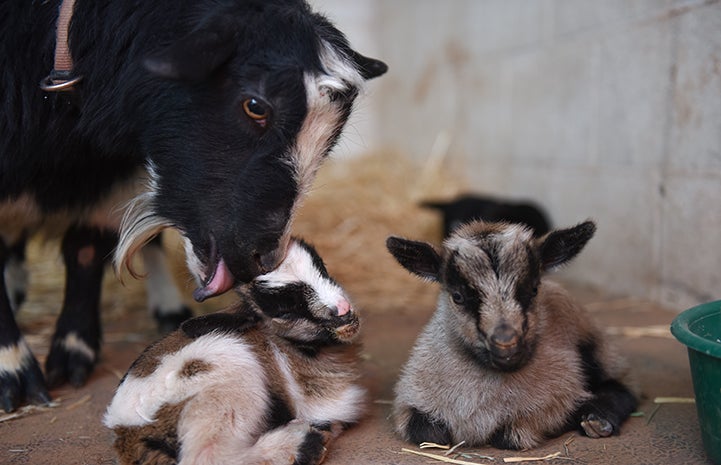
[681, 331]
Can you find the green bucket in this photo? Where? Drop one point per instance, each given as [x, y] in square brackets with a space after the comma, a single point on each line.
[699, 328]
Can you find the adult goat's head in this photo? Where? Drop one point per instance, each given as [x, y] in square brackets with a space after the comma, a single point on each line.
[242, 109]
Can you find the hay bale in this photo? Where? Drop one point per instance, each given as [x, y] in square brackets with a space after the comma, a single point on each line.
[355, 205]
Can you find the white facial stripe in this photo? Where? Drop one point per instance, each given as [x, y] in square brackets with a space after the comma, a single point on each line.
[298, 267]
[341, 72]
[137, 400]
[324, 116]
[314, 138]
[321, 122]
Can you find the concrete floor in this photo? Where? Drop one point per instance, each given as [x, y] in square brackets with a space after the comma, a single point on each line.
[71, 432]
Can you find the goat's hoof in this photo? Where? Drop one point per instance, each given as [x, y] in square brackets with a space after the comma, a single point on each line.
[70, 360]
[22, 384]
[596, 427]
[170, 321]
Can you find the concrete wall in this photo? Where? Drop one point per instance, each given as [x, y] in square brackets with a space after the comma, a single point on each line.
[606, 109]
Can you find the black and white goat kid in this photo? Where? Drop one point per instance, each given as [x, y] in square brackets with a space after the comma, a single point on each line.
[269, 382]
[225, 107]
[508, 358]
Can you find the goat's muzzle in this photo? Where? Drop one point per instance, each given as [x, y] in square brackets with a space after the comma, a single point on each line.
[347, 326]
[506, 348]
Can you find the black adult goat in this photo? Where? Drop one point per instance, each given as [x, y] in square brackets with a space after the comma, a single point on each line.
[227, 106]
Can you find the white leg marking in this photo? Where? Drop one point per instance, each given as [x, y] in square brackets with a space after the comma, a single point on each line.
[163, 295]
[73, 343]
[15, 357]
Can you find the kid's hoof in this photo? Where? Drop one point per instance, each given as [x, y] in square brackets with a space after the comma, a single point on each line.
[596, 427]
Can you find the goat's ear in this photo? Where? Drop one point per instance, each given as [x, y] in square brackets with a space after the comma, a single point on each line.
[417, 257]
[561, 245]
[368, 67]
[195, 56]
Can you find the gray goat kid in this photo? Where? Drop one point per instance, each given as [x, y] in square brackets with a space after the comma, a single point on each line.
[271, 381]
[508, 358]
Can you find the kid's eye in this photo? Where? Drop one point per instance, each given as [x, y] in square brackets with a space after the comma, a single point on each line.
[457, 298]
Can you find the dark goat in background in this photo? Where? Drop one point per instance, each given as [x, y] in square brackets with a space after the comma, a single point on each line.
[212, 115]
[469, 207]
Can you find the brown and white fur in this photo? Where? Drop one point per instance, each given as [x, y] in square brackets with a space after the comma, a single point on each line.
[508, 358]
[270, 381]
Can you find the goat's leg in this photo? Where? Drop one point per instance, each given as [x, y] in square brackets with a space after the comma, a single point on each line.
[602, 415]
[20, 376]
[76, 341]
[145, 445]
[296, 443]
[418, 427]
[164, 300]
[611, 402]
[15, 272]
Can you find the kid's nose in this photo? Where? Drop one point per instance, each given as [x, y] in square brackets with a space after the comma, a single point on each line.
[343, 307]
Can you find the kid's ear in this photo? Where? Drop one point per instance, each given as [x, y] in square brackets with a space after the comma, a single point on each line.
[560, 246]
[238, 322]
[419, 258]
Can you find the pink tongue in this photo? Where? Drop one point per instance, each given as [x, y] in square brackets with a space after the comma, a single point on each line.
[221, 281]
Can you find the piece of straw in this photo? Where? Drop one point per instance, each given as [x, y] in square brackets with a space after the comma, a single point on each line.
[433, 445]
[27, 410]
[659, 401]
[531, 459]
[452, 449]
[79, 402]
[640, 331]
[674, 400]
[440, 458]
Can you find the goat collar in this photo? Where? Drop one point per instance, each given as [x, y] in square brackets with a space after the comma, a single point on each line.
[60, 78]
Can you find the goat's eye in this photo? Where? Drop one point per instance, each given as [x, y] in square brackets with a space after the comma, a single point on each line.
[457, 298]
[256, 110]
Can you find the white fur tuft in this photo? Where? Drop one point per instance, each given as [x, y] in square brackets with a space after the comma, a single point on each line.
[137, 400]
